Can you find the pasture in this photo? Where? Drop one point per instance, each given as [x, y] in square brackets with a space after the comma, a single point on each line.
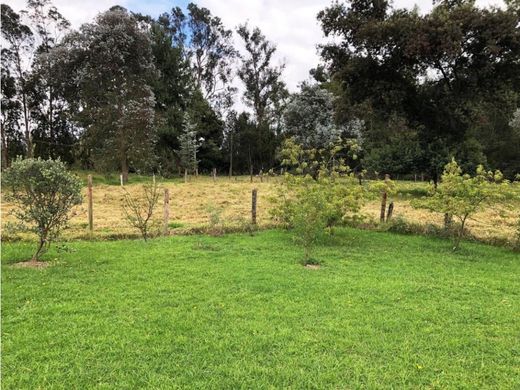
[192, 203]
[239, 311]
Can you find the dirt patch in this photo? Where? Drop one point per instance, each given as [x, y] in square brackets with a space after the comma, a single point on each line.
[31, 264]
[312, 266]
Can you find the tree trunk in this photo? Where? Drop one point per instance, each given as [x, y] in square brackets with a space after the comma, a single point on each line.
[4, 147]
[27, 132]
[39, 250]
[124, 169]
[231, 155]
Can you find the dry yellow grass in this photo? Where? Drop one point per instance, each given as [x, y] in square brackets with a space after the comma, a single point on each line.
[190, 204]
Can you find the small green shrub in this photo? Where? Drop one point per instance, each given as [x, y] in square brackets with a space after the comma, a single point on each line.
[43, 193]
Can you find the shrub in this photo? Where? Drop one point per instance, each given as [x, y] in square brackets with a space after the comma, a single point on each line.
[215, 224]
[43, 192]
[461, 196]
[138, 210]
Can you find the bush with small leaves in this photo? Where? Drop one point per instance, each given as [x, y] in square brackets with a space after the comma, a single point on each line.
[43, 193]
[461, 195]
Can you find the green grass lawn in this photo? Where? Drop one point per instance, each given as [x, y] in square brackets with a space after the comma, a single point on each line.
[384, 311]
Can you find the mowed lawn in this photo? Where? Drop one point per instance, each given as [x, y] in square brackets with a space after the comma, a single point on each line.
[240, 312]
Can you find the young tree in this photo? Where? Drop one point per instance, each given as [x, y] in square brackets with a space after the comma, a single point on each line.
[113, 70]
[189, 146]
[461, 195]
[139, 210]
[319, 191]
[43, 192]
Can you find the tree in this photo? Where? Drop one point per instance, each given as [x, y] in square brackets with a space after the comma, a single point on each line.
[262, 80]
[139, 210]
[461, 195]
[319, 191]
[172, 89]
[113, 69]
[43, 192]
[208, 47]
[309, 117]
[53, 131]
[452, 75]
[19, 45]
[189, 146]
[10, 116]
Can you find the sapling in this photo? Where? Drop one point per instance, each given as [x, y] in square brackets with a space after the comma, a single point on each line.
[139, 209]
[460, 195]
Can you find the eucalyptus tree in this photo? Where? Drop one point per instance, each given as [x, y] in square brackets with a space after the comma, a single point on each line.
[262, 80]
[208, 47]
[112, 69]
[19, 45]
[265, 93]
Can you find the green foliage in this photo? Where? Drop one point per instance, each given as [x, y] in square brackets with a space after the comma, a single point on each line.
[139, 210]
[43, 192]
[319, 192]
[427, 85]
[460, 195]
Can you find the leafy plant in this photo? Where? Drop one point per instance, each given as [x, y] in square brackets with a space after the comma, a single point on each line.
[461, 195]
[138, 210]
[318, 192]
[43, 192]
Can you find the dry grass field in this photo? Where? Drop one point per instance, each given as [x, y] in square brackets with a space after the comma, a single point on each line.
[192, 203]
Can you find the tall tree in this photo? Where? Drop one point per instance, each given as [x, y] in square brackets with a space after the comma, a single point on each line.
[114, 69]
[209, 49]
[19, 47]
[11, 114]
[262, 79]
[52, 131]
[264, 93]
[445, 73]
[309, 117]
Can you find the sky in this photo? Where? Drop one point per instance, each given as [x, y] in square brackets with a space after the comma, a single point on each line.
[291, 24]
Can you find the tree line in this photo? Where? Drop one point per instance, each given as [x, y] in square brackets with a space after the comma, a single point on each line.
[132, 92]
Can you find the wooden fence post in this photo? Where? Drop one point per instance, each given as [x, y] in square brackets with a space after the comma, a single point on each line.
[90, 205]
[253, 205]
[383, 202]
[390, 211]
[121, 180]
[185, 175]
[214, 174]
[166, 211]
